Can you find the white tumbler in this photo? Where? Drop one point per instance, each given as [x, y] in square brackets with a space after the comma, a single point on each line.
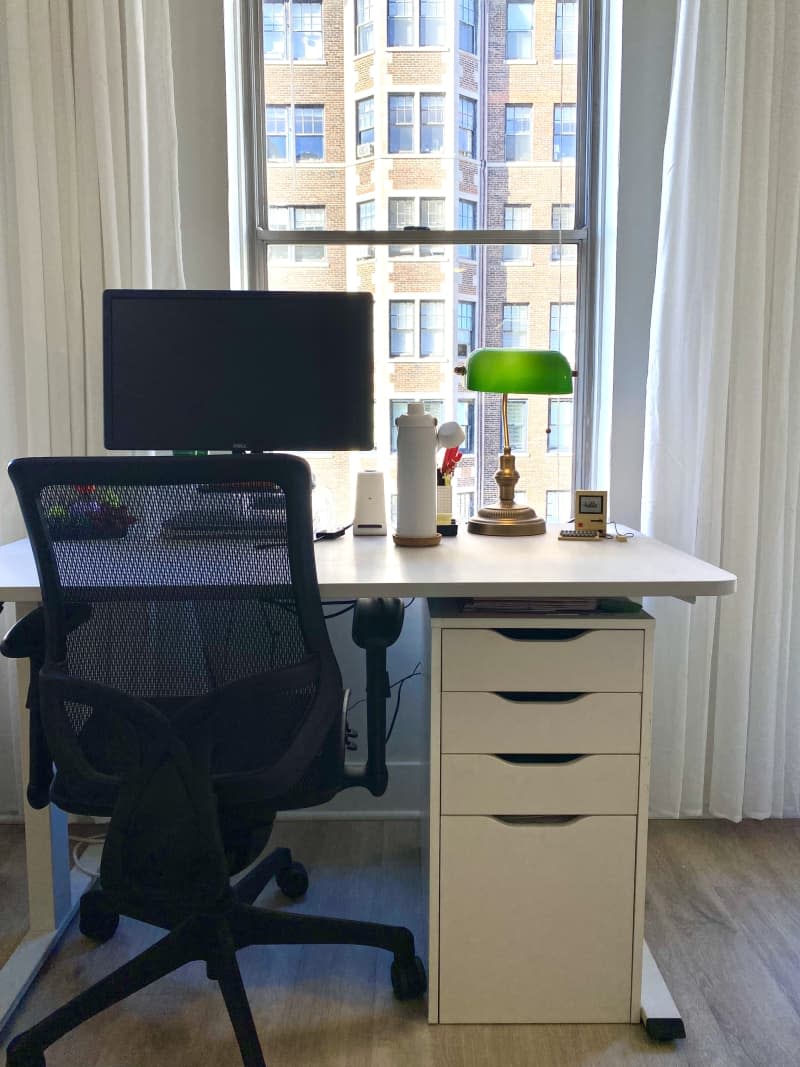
[416, 478]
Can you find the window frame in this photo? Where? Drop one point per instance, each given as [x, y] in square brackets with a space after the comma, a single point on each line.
[465, 132]
[518, 446]
[394, 21]
[559, 137]
[392, 108]
[516, 254]
[431, 21]
[466, 7]
[559, 32]
[555, 445]
[364, 16]
[296, 8]
[467, 251]
[510, 108]
[425, 106]
[521, 333]
[530, 33]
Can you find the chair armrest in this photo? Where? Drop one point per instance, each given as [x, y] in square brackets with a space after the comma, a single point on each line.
[26, 638]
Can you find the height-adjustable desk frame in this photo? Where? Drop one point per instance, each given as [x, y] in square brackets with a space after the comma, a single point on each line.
[463, 567]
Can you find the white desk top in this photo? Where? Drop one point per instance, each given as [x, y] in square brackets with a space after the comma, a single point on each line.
[472, 566]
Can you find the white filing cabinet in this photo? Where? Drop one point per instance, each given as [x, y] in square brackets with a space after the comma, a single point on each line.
[540, 741]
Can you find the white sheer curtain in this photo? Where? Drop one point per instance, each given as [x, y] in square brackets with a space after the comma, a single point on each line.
[88, 200]
[722, 441]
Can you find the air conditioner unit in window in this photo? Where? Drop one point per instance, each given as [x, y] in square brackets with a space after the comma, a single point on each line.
[365, 150]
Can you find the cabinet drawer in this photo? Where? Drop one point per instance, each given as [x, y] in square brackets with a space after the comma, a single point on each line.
[539, 660]
[492, 785]
[492, 722]
[536, 920]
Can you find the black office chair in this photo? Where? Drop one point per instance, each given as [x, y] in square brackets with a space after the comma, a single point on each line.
[185, 686]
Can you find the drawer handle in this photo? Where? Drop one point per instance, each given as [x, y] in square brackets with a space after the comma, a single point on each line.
[537, 820]
[540, 698]
[541, 635]
[549, 757]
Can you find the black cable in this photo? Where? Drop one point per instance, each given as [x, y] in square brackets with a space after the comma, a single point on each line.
[342, 611]
[399, 681]
[415, 673]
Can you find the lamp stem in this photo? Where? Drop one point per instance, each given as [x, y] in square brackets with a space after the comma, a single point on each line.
[506, 445]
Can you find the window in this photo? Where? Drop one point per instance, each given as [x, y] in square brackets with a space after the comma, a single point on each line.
[562, 217]
[516, 217]
[559, 421]
[519, 126]
[559, 505]
[296, 218]
[467, 26]
[401, 24]
[566, 30]
[467, 123]
[431, 328]
[401, 328]
[431, 108]
[400, 407]
[431, 22]
[401, 122]
[518, 427]
[274, 23]
[364, 27]
[562, 329]
[401, 214]
[464, 505]
[467, 213]
[564, 131]
[365, 123]
[306, 29]
[366, 221]
[515, 325]
[465, 328]
[431, 215]
[465, 417]
[308, 133]
[519, 29]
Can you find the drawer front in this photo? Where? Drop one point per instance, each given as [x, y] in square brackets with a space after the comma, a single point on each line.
[491, 722]
[536, 660]
[536, 920]
[587, 785]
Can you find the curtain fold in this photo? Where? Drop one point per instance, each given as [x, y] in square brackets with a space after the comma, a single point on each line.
[722, 436]
[89, 200]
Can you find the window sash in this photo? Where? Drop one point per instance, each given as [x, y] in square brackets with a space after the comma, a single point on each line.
[431, 23]
[559, 420]
[515, 325]
[467, 26]
[519, 29]
[365, 36]
[431, 110]
[400, 27]
[307, 29]
[365, 120]
[566, 38]
[519, 132]
[467, 121]
[518, 424]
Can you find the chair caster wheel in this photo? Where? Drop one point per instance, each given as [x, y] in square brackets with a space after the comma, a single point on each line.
[17, 1055]
[97, 921]
[292, 880]
[409, 979]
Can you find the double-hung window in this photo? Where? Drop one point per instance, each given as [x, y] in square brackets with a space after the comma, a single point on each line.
[519, 29]
[519, 132]
[518, 425]
[401, 122]
[431, 328]
[559, 439]
[306, 29]
[274, 30]
[431, 134]
[467, 127]
[467, 215]
[431, 216]
[468, 26]
[402, 213]
[366, 221]
[401, 328]
[517, 217]
[303, 129]
[564, 131]
[432, 26]
[562, 217]
[515, 325]
[296, 218]
[365, 30]
[566, 43]
[365, 124]
[400, 28]
[562, 329]
[465, 328]
[465, 417]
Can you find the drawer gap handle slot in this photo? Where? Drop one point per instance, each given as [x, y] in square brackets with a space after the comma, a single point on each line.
[540, 698]
[537, 820]
[547, 757]
[540, 635]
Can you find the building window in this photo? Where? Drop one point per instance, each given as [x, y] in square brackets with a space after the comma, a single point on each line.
[464, 505]
[516, 217]
[308, 133]
[401, 214]
[401, 122]
[307, 29]
[519, 29]
[431, 108]
[296, 218]
[467, 215]
[519, 127]
[431, 22]
[518, 426]
[515, 325]
[566, 30]
[277, 133]
[400, 407]
[559, 422]
[431, 328]
[564, 131]
[365, 37]
[562, 217]
[465, 329]
[401, 24]
[365, 124]
[467, 26]
[558, 506]
[465, 417]
[274, 21]
[366, 221]
[431, 215]
[401, 328]
[562, 329]
[467, 123]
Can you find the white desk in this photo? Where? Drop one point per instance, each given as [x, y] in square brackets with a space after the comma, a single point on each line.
[465, 566]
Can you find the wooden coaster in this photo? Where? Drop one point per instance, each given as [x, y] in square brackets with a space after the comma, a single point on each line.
[416, 542]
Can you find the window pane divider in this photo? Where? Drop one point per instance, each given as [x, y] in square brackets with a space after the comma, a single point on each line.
[417, 236]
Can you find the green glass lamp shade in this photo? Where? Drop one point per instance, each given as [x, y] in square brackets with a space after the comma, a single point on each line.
[518, 370]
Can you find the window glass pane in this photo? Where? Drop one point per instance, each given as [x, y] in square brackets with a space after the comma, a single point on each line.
[366, 221]
[560, 425]
[519, 29]
[401, 24]
[559, 505]
[277, 132]
[517, 217]
[518, 425]
[467, 38]
[401, 122]
[364, 26]
[431, 214]
[432, 127]
[402, 213]
[465, 329]
[562, 330]
[465, 417]
[401, 325]
[515, 326]
[467, 113]
[518, 132]
[467, 215]
[431, 318]
[562, 217]
[308, 133]
[274, 31]
[564, 131]
[307, 29]
[431, 22]
[566, 44]
[365, 121]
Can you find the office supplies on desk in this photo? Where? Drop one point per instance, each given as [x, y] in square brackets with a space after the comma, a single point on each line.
[370, 513]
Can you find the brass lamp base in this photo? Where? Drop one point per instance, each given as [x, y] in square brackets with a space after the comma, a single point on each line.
[507, 518]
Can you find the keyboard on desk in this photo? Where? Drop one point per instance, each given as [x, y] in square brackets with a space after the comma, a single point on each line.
[208, 523]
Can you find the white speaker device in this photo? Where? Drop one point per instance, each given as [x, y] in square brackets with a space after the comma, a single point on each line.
[370, 517]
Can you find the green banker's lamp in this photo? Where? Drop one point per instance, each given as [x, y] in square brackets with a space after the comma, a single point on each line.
[513, 370]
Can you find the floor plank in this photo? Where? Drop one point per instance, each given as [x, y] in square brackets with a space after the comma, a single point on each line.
[723, 919]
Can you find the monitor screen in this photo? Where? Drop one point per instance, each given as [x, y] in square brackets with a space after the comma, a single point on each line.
[265, 371]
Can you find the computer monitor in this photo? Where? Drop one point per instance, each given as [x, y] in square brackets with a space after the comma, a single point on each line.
[231, 371]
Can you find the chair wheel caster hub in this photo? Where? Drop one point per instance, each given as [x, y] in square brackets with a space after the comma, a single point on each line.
[408, 978]
[97, 921]
[292, 880]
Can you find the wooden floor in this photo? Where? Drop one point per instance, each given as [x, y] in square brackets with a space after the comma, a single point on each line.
[723, 920]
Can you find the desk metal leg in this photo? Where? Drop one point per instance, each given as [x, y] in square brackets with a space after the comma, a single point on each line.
[53, 894]
[660, 1016]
